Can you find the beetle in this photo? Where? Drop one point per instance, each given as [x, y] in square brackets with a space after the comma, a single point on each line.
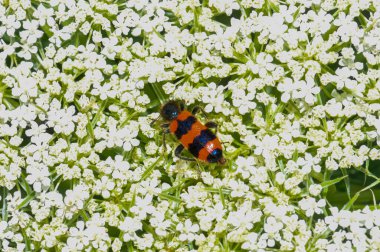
[194, 136]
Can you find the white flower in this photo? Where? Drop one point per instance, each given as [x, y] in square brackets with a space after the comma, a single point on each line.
[194, 197]
[145, 242]
[59, 36]
[110, 47]
[307, 90]
[290, 131]
[311, 206]
[44, 15]
[309, 163]
[272, 227]
[271, 26]
[124, 137]
[3, 233]
[265, 146]
[75, 199]
[129, 138]
[238, 188]
[213, 97]
[243, 101]
[187, 230]
[320, 22]
[224, 6]
[280, 178]
[121, 25]
[264, 64]
[142, 207]
[121, 168]
[129, 226]
[293, 85]
[26, 88]
[26, 50]
[31, 32]
[104, 186]
[10, 24]
[348, 28]
[315, 189]
[245, 166]
[160, 223]
[35, 130]
[150, 187]
[287, 87]
[78, 238]
[62, 120]
[251, 242]
[38, 177]
[244, 217]
[103, 91]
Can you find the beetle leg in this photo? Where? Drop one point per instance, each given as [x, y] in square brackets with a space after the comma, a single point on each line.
[199, 171]
[165, 130]
[181, 104]
[178, 151]
[165, 126]
[212, 125]
[196, 109]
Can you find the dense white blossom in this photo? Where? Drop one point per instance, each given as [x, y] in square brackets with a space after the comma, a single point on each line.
[293, 86]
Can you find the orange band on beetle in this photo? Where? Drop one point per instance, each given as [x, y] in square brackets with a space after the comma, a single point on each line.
[184, 115]
[212, 145]
[173, 126]
[188, 138]
[203, 154]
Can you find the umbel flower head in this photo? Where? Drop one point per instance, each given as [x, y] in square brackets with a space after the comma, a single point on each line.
[293, 86]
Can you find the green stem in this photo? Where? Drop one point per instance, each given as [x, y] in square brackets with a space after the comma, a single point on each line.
[158, 93]
[4, 211]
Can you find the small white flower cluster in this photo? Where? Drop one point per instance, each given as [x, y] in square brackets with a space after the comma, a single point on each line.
[345, 230]
[293, 85]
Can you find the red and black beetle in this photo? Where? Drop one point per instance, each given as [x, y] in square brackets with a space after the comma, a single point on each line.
[193, 135]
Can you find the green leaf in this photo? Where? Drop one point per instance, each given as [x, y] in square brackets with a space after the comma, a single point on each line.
[347, 182]
[149, 170]
[26, 201]
[328, 183]
[352, 201]
[98, 114]
[169, 197]
[25, 184]
[4, 212]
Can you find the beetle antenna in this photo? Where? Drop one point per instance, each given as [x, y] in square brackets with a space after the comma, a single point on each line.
[224, 143]
[222, 161]
[155, 120]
